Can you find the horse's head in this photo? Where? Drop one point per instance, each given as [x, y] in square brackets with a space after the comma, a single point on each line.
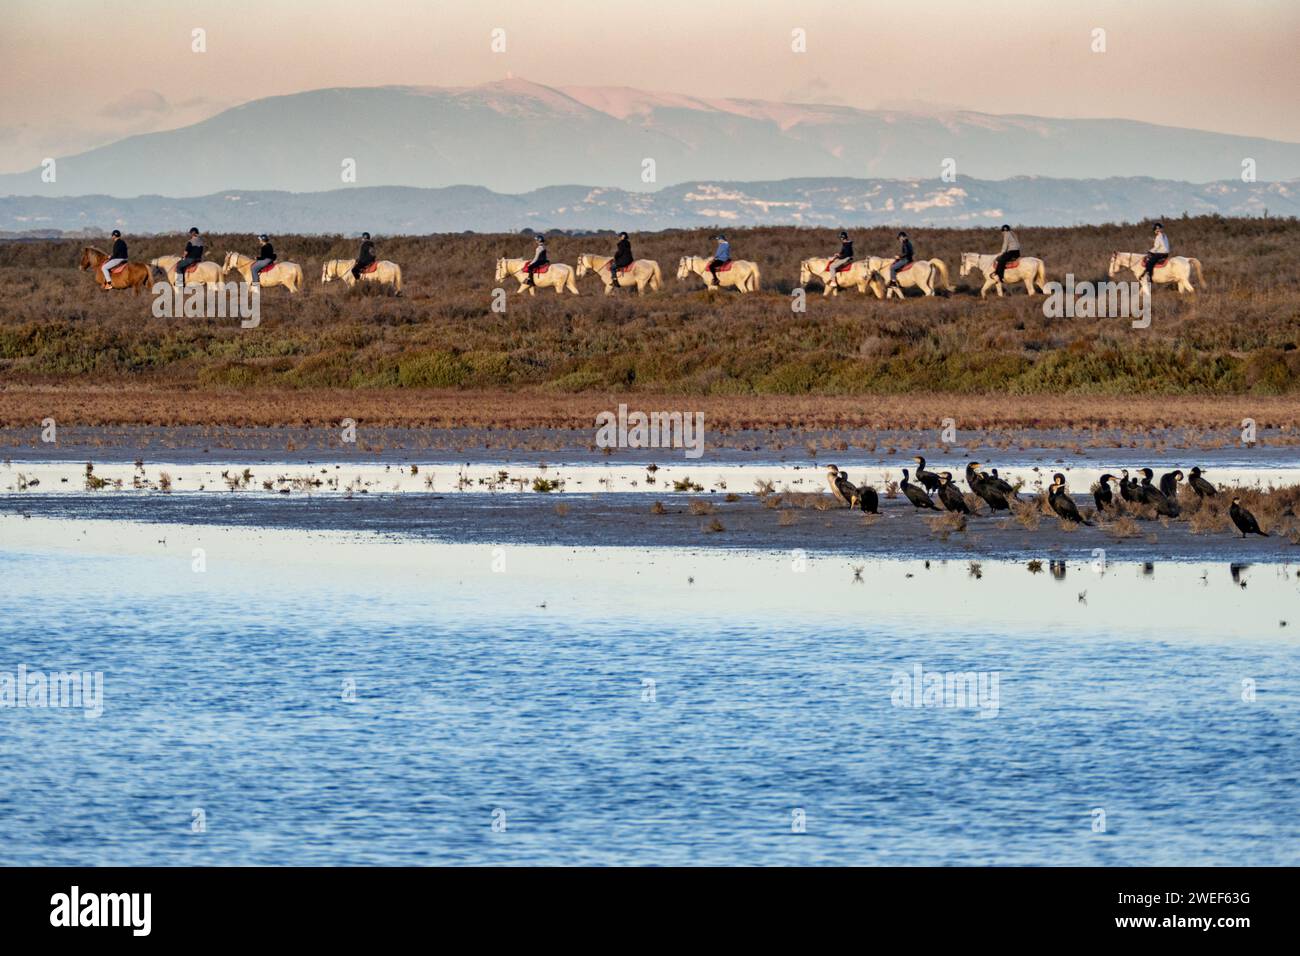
[86, 258]
[805, 273]
[229, 262]
[501, 269]
[967, 263]
[684, 267]
[1114, 264]
[584, 263]
[326, 273]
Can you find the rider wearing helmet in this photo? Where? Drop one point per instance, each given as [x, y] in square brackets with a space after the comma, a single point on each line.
[265, 258]
[1159, 251]
[365, 256]
[844, 257]
[193, 254]
[903, 258]
[115, 258]
[1010, 252]
[722, 255]
[538, 260]
[622, 257]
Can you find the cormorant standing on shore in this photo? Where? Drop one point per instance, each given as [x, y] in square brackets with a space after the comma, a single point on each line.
[1061, 501]
[928, 479]
[951, 495]
[916, 495]
[1244, 520]
[1169, 484]
[1103, 496]
[1200, 485]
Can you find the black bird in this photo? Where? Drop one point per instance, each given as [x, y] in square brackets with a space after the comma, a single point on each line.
[984, 487]
[1169, 484]
[1002, 485]
[1244, 520]
[916, 494]
[1127, 487]
[841, 487]
[1061, 501]
[1200, 485]
[1149, 494]
[1103, 496]
[865, 498]
[951, 495]
[927, 478]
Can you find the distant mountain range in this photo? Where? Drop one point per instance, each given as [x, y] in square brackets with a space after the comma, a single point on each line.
[801, 202]
[516, 136]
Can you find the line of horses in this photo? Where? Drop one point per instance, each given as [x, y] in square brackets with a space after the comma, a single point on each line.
[928, 276]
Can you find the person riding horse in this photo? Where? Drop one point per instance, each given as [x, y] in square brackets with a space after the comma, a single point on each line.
[1158, 254]
[365, 256]
[265, 259]
[115, 259]
[622, 257]
[720, 257]
[844, 257]
[903, 258]
[1010, 252]
[193, 255]
[538, 260]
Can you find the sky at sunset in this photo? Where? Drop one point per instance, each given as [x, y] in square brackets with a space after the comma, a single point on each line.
[81, 73]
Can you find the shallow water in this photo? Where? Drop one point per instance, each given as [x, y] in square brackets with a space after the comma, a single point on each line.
[512, 683]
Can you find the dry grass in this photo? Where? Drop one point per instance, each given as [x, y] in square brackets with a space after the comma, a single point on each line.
[314, 353]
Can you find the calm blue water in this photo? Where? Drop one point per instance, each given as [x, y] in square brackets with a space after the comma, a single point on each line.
[224, 691]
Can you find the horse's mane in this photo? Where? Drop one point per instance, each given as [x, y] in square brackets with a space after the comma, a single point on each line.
[94, 249]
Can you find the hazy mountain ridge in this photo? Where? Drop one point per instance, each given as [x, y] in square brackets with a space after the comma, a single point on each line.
[516, 136]
[827, 203]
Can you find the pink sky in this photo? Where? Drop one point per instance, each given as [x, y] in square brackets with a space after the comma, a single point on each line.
[81, 73]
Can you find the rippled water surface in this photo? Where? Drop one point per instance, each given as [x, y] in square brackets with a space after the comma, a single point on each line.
[331, 698]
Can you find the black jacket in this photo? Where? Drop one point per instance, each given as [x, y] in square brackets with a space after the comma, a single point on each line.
[193, 251]
[623, 254]
[119, 249]
[846, 250]
[266, 252]
[367, 253]
[905, 251]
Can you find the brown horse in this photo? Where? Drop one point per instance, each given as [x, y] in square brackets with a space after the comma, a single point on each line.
[133, 276]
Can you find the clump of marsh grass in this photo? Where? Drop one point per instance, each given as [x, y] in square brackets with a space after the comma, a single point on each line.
[701, 507]
[547, 485]
[946, 524]
[658, 508]
[685, 484]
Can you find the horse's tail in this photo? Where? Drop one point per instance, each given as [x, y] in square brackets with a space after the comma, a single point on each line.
[1041, 277]
[941, 267]
[1200, 276]
[397, 278]
[755, 279]
[655, 277]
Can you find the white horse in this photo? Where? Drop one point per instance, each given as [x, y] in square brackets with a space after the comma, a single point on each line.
[554, 275]
[280, 272]
[856, 276]
[1174, 269]
[1026, 269]
[205, 273]
[384, 272]
[739, 273]
[642, 272]
[928, 275]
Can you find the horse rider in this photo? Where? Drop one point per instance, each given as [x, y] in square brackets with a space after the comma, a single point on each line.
[1158, 254]
[265, 259]
[622, 257]
[721, 256]
[538, 260]
[115, 258]
[844, 257]
[1010, 252]
[365, 256]
[193, 254]
[903, 258]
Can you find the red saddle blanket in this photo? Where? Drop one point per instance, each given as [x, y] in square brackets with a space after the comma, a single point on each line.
[116, 269]
[844, 268]
[1012, 264]
[724, 267]
[610, 265]
[541, 269]
[370, 268]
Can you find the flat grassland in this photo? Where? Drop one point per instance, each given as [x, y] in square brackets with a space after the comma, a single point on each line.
[439, 356]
